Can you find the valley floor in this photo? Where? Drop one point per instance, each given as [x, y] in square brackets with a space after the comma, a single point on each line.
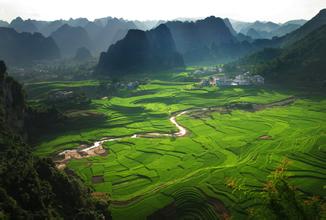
[227, 156]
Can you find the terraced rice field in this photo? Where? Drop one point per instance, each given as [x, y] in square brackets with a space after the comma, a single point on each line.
[225, 159]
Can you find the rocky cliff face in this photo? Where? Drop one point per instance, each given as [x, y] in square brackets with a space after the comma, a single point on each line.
[141, 51]
[12, 106]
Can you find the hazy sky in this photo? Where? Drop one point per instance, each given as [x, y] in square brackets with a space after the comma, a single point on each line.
[247, 10]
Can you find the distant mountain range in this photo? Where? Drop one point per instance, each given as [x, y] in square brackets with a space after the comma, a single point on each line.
[205, 41]
[105, 31]
[266, 30]
[311, 25]
[300, 57]
[141, 51]
[101, 32]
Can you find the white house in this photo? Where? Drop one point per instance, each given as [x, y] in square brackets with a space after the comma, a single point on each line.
[204, 83]
[242, 80]
[199, 72]
[257, 80]
[224, 81]
[61, 95]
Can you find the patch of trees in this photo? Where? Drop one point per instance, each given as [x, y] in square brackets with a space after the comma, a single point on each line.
[40, 119]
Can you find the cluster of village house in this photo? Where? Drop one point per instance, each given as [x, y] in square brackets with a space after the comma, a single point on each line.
[240, 80]
[129, 85]
[62, 95]
[212, 69]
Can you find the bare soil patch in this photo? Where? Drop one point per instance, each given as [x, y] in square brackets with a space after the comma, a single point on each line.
[101, 196]
[98, 179]
[81, 152]
[265, 137]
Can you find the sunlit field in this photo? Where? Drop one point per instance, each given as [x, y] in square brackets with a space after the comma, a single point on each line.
[226, 158]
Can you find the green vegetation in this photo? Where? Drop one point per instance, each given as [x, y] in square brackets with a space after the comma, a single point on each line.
[226, 159]
[124, 115]
[151, 144]
[301, 63]
[30, 187]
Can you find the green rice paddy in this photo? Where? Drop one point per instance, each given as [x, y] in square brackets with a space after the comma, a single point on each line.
[144, 175]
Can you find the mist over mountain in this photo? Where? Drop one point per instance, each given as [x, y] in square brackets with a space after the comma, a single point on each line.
[146, 25]
[311, 25]
[207, 40]
[78, 22]
[296, 35]
[239, 25]
[24, 48]
[102, 32]
[23, 26]
[254, 34]
[261, 41]
[229, 25]
[279, 32]
[265, 30]
[141, 51]
[284, 29]
[82, 54]
[3, 23]
[297, 22]
[102, 21]
[261, 26]
[69, 39]
[239, 36]
[114, 30]
[50, 27]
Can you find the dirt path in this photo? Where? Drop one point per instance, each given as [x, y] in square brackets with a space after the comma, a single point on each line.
[97, 148]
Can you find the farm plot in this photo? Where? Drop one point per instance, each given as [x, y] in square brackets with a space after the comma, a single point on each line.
[225, 159]
[220, 150]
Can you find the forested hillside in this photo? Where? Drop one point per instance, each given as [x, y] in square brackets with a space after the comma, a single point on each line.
[302, 62]
[30, 187]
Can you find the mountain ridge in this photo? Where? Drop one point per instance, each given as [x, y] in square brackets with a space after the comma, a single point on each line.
[24, 48]
[141, 51]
